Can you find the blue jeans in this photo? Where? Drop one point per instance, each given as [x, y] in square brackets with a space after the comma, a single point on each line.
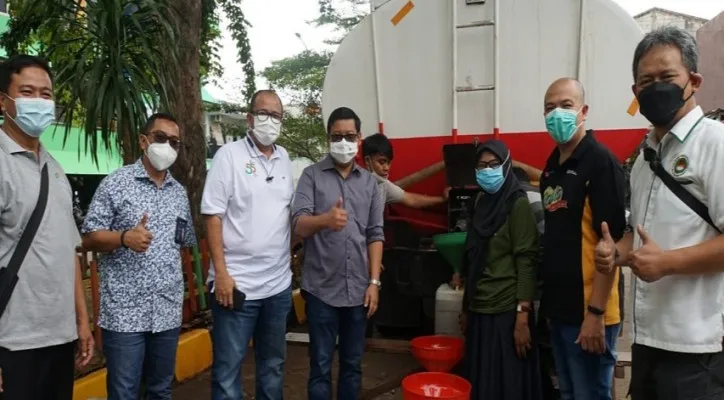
[266, 321]
[583, 375]
[133, 355]
[325, 324]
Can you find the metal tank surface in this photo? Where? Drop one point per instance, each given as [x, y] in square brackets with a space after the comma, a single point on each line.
[429, 73]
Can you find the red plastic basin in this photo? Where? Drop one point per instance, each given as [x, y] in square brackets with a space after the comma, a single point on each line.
[437, 353]
[435, 385]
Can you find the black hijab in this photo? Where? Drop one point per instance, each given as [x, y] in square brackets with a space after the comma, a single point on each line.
[490, 213]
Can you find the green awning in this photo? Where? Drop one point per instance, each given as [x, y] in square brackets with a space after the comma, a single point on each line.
[76, 162]
[206, 97]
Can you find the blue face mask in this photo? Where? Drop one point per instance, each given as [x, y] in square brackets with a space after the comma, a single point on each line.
[561, 124]
[34, 115]
[490, 179]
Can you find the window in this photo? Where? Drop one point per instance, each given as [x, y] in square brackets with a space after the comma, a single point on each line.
[4, 6]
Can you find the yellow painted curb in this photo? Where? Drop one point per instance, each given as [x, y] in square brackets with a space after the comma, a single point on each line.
[91, 386]
[298, 301]
[194, 354]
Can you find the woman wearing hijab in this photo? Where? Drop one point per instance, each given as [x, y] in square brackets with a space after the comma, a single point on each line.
[501, 254]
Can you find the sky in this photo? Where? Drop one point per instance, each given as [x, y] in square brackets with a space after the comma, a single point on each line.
[275, 24]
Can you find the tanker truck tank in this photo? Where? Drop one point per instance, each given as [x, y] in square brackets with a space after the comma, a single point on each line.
[428, 73]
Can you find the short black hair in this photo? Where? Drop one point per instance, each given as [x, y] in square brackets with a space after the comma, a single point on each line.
[256, 94]
[16, 64]
[521, 175]
[154, 117]
[377, 144]
[341, 114]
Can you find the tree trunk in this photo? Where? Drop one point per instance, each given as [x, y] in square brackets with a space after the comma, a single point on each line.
[190, 169]
[127, 150]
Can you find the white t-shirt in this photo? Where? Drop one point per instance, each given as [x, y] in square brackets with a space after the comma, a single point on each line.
[681, 313]
[253, 196]
[390, 192]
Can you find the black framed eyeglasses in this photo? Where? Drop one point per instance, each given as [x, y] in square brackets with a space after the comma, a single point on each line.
[489, 164]
[264, 116]
[162, 137]
[349, 137]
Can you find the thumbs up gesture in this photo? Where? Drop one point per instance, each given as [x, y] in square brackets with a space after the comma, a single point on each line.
[647, 262]
[139, 238]
[605, 257]
[337, 216]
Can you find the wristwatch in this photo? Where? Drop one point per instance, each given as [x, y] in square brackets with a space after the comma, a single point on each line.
[522, 309]
[376, 283]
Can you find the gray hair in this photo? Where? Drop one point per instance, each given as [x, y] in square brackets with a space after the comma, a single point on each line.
[668, 36]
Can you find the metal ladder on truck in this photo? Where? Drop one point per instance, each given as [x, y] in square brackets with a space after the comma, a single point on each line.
[457, 89]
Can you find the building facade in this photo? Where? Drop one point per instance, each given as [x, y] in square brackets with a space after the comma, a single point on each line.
[659, 17]
[710, 39]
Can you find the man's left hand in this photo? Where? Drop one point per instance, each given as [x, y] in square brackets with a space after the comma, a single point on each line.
[648, 261]
[86, 346]
[592, 337]
[372, 298]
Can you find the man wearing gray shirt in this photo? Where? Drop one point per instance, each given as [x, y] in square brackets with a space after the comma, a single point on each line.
[377, 154]
[46, 317]
[338, 212]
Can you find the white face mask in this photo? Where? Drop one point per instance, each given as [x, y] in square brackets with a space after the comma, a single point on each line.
[267, 131]
[34, 115]
[161, 155]
[343, 151]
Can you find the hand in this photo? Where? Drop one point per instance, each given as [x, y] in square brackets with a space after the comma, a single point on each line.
[463, 322]
[647, 262]
[86, 346]
[224, 289]
[139, 238]
[455, 282]
[372, 298]
[446, 193]
[593, 334]
[521, 334]
[337, 217]
[605, 251]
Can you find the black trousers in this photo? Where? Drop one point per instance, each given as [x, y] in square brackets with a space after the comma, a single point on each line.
[664, 375]
[46, 373]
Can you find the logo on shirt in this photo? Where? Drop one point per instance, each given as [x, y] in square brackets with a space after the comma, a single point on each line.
[250, 168]
[553, 198]
[681, 163]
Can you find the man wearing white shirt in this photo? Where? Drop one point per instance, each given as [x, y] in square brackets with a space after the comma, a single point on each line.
[676, 253]
[246, 203]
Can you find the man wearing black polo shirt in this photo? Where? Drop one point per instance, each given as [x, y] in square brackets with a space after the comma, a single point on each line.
[581, 187]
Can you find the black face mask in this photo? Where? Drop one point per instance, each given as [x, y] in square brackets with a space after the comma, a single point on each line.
[660, 102]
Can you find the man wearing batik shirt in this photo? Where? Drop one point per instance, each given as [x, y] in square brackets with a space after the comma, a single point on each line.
[140, 218]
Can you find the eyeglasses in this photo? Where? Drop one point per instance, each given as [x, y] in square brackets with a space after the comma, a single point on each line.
[488, 164]
[162, 137]
[265, 115]
[349, 137]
